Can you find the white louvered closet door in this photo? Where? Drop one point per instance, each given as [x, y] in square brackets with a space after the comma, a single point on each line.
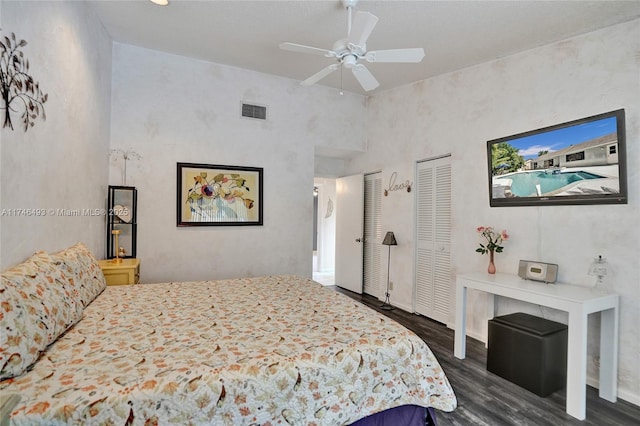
[372, 233]
[433, 228]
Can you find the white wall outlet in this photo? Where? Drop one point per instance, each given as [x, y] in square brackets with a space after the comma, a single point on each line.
[390, 285]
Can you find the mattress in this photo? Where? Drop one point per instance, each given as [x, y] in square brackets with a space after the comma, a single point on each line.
[269, 350]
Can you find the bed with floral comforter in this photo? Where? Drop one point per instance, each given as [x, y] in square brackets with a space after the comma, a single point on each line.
[270, 350]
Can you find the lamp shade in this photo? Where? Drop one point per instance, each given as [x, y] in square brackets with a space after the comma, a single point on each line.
[390, 239]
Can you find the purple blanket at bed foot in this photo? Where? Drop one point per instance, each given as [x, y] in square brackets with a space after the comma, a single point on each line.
[405, 415]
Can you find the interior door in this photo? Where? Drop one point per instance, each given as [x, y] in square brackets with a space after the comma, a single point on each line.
[349, 232]
[372, 233]
[433, 286]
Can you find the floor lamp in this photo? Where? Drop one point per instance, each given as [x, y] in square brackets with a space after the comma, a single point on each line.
[389, 240]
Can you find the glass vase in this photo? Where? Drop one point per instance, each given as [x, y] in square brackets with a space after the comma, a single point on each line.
[492, 266]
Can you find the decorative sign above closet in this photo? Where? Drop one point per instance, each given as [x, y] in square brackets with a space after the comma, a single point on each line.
[394, 186]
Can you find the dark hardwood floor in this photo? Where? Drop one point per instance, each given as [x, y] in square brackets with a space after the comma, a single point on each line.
[487, 399]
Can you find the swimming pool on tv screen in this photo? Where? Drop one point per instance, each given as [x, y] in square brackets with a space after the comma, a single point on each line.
[524, 184]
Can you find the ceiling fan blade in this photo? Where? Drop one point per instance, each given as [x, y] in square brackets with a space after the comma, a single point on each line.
[300, 48]
[320, 75]
[364, 77]
[363, 24]
[396, 55]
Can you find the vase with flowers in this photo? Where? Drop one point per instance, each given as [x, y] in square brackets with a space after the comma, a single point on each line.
[493, 244]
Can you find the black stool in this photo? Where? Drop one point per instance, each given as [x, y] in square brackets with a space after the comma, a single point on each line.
[528, 351]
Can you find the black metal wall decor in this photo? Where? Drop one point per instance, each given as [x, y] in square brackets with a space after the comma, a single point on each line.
[19, 90]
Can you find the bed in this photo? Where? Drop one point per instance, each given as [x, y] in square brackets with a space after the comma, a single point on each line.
[268, 350]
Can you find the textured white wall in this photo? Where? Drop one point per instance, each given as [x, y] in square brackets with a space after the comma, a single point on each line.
[397, 216]
[60, 163]
[328, 167]
[172, 109]
[458, 112]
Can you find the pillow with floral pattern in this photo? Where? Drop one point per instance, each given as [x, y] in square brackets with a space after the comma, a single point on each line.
[36, 306]
[82, 269]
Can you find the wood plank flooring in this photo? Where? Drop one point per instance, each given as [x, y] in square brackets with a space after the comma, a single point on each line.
[485, 399]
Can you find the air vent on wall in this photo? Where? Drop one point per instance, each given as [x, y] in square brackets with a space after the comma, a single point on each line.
[254, 111]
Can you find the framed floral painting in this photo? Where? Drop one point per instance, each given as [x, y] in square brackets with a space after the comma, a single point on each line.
[212, 195]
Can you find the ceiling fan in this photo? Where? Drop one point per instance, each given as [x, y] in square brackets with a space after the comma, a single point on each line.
[350, 50]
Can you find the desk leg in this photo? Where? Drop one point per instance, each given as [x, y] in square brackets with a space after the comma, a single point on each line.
[491, 312]
[577, 365]
[460, 341]
[609, 354]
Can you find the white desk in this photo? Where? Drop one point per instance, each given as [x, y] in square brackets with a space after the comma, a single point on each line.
[579, 302]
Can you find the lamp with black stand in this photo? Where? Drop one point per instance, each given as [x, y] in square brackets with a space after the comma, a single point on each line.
[389, 240]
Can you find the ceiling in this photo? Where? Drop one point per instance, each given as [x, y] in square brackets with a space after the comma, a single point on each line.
[454, 34]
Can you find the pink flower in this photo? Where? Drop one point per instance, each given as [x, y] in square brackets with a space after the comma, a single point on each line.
[493, 238]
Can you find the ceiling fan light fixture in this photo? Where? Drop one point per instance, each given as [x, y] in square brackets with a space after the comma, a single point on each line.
[160, 2]
[349, 61]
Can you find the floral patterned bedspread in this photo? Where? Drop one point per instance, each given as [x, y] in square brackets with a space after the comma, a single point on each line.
[270, 350]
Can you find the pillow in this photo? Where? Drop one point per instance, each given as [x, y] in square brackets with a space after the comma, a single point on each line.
[36, 306]
[83, 271]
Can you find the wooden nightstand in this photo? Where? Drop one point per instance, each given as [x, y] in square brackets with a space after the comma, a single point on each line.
[122, 273]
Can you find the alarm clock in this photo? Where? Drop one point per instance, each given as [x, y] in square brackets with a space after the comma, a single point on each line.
[538, 271]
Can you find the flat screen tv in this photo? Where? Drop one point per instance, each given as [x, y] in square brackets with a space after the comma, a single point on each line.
[578, 162]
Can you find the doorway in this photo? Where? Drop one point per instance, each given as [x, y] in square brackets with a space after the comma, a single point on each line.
[324, 230]
[358, 233]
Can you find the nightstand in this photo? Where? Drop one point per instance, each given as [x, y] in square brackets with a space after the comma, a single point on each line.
[121, 273]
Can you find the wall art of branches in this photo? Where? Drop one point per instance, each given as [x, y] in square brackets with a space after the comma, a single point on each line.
[19, 91]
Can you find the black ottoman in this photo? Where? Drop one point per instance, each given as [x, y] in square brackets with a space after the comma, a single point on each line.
[528, 351]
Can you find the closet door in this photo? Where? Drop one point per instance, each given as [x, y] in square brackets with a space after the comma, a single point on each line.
[372, 233]
[433, 287]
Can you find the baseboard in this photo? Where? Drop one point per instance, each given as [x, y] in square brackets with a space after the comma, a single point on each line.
[471, 334]
[478, 337]
[408, 308]
[630, 397]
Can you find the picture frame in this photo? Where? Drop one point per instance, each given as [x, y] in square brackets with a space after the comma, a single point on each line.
[217, 195]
